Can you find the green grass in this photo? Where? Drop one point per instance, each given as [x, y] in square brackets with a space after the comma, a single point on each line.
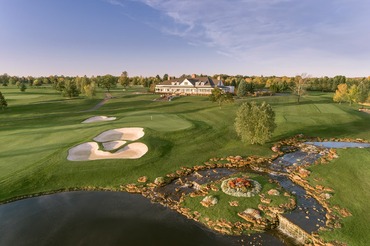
[349, 177]
[40, 126]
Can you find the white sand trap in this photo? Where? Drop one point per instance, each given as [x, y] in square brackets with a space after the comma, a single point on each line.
[90, 151]
[113, 145]
[128, 133]
[98, 119]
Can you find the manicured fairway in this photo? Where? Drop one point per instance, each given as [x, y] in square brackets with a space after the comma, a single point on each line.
[40, 126]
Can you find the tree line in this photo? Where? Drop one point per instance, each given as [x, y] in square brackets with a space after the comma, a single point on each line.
[74, 86]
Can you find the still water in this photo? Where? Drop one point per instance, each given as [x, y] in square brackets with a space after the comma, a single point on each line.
[106, 218]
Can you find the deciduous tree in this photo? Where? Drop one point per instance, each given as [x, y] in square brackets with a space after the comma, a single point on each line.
[299, 86]
[107, 81]
[220, 96]
[341, 94]
[124, 79]
[3, 103]
[70, 89]
[22, 87]
[255, 123]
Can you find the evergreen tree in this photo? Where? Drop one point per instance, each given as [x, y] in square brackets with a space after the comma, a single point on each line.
[3, 103]
[242, 89]
[255, 123]
[22, 87]
[363, 92]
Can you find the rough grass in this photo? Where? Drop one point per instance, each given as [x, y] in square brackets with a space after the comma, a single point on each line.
[349, 177]
[40, 126]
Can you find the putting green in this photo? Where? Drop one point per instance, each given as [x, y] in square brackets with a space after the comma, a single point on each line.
[158, 122]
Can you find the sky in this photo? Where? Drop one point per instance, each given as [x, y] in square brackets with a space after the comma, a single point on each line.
[175, 37]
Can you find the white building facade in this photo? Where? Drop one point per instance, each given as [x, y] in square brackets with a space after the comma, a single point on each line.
[191, 86]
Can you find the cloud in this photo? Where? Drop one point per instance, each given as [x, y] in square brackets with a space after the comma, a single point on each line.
[115, 2]
[293, 32]
[245, 28]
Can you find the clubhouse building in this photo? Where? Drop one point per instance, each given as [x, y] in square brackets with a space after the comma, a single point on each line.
[191, 86]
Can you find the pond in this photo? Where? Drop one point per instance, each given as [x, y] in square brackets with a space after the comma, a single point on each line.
[107, 218]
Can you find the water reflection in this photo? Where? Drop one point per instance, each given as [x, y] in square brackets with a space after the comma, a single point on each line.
[106, 218]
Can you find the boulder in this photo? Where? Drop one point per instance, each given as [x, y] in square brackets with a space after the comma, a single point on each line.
[265, 200]
[142, 179]
[273, 192]
[209, 201]
[159, 181]
[234, 203]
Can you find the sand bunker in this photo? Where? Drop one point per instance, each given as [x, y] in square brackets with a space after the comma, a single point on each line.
[129, 133]
[111, 140]
[113, 145]
[90, 151]
[98, 119]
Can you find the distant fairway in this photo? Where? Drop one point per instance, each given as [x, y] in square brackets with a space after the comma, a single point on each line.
[157, 121]
[40, 126]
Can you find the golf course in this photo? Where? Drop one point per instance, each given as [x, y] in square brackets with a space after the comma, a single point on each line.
[40, 127]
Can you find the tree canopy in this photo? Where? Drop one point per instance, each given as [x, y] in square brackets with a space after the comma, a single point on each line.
[3, 103]
[299, 86]
[242, 89]
[107, 81]
[124, 79]
[354, 94]
[220, 96]
[255, 123]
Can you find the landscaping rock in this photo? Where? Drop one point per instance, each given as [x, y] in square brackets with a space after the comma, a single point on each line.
[265, 200]
[209, 201]
[159, 181]
[142, 179]
[234, 203]
[273, 192]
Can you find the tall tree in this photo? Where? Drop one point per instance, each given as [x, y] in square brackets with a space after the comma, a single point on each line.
[299, 86]
[3, 103]
[165, 77]
[22, 87]
[70, 89]
[363, 92]
[108, 82]
[242, 88]
[255, 123]
[341, 94]
[89, 90]
[220, 96]
[353, 94]
[4, 79]
[124, 79]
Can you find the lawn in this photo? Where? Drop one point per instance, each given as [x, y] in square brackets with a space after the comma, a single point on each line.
[349, 177]
[40, 126]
